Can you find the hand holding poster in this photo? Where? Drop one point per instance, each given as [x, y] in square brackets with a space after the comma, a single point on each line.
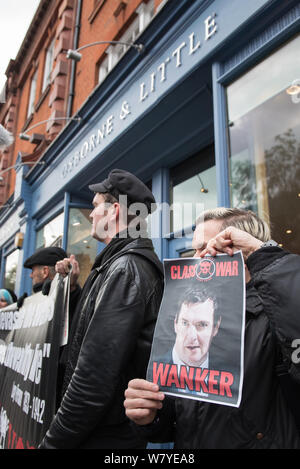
[30, 339]
[198, 342]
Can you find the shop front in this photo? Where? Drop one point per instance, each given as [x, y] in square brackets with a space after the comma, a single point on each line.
[207, 115]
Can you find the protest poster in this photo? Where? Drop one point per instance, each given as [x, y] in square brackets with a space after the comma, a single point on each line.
[198, 344]
[30, 340]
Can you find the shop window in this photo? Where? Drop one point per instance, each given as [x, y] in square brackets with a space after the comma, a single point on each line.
[192, 189]
[264, 135]
[32, 94]
[144, 12]
[51, 234]
[48, 65]
[11, 265]
[80, 241]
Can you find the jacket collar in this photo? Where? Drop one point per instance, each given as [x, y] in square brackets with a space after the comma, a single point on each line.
[139, 246]
[254, 304]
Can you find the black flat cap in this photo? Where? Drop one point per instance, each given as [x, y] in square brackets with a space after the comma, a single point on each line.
[120, 182]
[45, 256]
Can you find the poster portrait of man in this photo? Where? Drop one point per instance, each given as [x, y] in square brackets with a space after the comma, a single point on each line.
[197, 349]
[196, 324]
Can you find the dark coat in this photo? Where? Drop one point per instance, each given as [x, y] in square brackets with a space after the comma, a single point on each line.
[264, 419]
[118, 310]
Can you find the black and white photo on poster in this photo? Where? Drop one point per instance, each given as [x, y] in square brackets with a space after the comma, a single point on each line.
[198, 345]
[30, 340]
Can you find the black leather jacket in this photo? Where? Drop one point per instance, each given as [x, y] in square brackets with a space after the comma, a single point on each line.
[118, 312]
[264, 419]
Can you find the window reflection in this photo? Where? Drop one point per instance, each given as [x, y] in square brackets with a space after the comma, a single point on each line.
[264, 136]
[11, 270]
[193, 188]
[80, 241]
[51, 234]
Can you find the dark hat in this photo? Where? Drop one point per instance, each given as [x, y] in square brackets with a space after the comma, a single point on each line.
[45, 256]
[120, 182]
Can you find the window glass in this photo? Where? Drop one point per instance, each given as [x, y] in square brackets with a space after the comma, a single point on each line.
[11, 270]
[30, 109]
[264, 135]
[51, 234]
[80, 241]
[144, 12]
[192, 189]
[103, 70]
[48, 65]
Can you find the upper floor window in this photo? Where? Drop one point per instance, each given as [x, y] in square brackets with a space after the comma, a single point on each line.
[145, 12]
[32, 94]
[48, 65]
[11, 266]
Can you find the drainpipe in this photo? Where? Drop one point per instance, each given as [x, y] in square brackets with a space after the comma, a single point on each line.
[73, 65]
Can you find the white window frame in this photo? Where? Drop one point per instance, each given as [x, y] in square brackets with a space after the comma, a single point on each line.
[103, 70]
[32, 94]
[48, 65]
[145, 12]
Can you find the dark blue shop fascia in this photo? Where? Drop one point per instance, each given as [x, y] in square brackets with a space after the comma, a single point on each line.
[158, 108]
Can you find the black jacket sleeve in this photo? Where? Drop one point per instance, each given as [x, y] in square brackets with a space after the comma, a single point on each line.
[276, 277]
[162, 429]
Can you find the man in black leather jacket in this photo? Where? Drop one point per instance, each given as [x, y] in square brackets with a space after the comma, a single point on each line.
[115, 322]
[265, 418]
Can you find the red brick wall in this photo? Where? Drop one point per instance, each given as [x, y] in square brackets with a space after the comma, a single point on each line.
[100, 21]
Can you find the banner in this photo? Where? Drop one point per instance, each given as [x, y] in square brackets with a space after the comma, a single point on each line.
[30, 339]
[198, 344]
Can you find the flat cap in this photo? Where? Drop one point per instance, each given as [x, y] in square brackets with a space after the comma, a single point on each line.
[45, 256]
[120, 182]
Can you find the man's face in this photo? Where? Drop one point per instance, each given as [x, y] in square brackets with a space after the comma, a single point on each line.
[195, 330]
[39, 273]
[100, 218]
[204, 232]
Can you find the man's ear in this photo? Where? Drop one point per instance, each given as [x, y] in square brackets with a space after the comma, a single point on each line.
[116, 210]
[45, 272]
[121, 215]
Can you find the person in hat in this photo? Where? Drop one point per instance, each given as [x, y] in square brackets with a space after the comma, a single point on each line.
[42, 265]
[112, 335]
[6, 298]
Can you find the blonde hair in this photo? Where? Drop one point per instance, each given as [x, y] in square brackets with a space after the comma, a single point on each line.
[245, 220]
